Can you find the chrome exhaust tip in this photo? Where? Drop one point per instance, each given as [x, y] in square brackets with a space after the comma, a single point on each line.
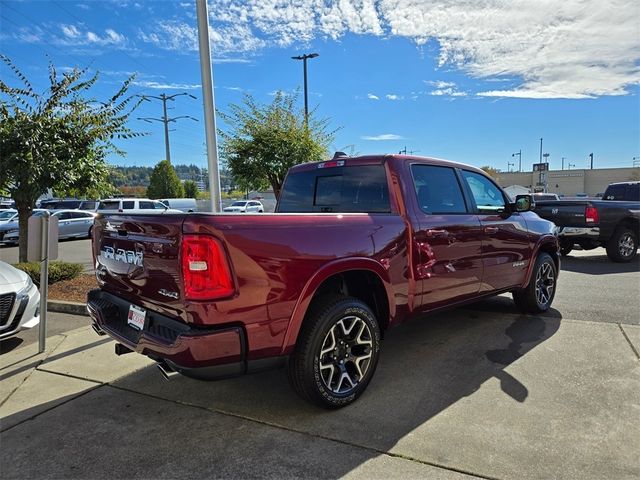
[167, 372]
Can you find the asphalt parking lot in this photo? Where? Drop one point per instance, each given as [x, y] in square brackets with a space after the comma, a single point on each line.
[481, 391]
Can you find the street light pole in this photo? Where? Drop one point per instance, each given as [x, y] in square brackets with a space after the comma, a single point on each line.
[591, 156]
[165, 119]
[509, 165]
[541, 150]
[519, 154]
[304, 59]
[563, 162]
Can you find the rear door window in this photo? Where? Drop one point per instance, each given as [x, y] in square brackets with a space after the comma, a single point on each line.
[615, 192]
[355, 189]
[146, 205]
[128, 205]
[438, 190]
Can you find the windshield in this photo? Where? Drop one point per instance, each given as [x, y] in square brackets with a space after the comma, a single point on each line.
[238, 204]
[6, 215]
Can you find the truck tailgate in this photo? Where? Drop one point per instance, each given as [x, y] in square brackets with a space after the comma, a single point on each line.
[564, 213]
[137, 257]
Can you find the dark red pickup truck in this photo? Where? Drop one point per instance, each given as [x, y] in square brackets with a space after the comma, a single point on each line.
[356, 246]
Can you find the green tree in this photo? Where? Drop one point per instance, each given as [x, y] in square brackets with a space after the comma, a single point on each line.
[164, 182]
[58, 139]
[191, 189]
[491, 171]
[264, 141]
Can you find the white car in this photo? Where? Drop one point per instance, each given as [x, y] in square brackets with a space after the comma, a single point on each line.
[19, 301]
[71, 224]
[245, 206]
[8, 215]
[133, 205]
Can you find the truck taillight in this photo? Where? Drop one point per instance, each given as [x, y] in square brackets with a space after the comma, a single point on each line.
[205, 269]
[591, 215]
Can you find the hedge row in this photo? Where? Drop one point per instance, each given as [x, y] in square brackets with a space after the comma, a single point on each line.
[58, 271]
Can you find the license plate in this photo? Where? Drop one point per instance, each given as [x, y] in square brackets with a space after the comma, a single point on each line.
[136, 317]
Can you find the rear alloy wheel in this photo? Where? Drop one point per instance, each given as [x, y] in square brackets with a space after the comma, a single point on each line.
[538, 295]
[623, 245]
[337, 352]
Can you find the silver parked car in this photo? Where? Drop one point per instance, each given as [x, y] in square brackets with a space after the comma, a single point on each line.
[71, 224]
[245, 206]
[19, 301]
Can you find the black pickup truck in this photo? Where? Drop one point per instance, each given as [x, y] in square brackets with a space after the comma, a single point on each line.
[612, 222]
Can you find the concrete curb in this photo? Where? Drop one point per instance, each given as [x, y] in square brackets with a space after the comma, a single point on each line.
[73, 308]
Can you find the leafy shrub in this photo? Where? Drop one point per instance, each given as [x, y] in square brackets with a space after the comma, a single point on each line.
[58, 271]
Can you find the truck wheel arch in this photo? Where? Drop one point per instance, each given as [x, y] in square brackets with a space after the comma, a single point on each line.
[547, 244]
[343, 271]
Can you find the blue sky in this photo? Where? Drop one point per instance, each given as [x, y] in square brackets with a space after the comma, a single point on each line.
[468, 81]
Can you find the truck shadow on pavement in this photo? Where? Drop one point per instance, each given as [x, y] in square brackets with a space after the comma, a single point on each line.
[428, 367]
[598, 265]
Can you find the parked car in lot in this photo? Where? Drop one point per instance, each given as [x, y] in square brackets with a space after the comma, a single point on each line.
[8, 215]
[612, 223]
[182, 204]
[133, 205]
[19, 301]
[374, 241]
[245, 206]
[11, 227]
[71, 224]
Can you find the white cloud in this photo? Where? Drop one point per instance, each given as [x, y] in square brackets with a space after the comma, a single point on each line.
[551, 48]
[382, 137]
[371, 96]
[167, 86]
[78, 35]
[439, 83]
[393, 96]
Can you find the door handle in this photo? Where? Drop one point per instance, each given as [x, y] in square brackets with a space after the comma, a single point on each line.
[490, 230]
[437, 233]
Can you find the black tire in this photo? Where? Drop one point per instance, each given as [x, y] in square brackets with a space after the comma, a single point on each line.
[331, 320]
[623, 245]
[90, 231]
[565, 249]
[538, 295]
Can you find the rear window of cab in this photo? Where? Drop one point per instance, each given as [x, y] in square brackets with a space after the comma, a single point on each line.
[344, 189]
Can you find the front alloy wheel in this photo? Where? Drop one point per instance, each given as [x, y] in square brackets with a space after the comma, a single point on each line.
[538, 295]
[545, 283]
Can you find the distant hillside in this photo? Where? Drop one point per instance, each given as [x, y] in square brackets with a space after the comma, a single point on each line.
[139, 176]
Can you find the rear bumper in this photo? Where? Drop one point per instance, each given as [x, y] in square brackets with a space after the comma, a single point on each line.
[592, 233]
[200, 353]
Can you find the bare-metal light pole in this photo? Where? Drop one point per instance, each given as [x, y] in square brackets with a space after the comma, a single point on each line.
[509, 165]
[519, 154]
[541, 150]
[165, 119]
[563, 158]
[206, 73]
[304, 59]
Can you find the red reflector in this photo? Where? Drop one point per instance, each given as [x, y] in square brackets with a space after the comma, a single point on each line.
[205, 269]
[333, 163]
[591, 215]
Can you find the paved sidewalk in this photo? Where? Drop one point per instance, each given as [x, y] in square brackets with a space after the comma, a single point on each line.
[463, 393]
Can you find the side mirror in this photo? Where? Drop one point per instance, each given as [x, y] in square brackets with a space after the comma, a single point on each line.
[524, 203]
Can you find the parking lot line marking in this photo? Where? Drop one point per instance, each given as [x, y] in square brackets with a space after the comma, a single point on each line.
[624, 334]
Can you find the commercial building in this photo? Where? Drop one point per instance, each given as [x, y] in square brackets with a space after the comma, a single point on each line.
[569, 183]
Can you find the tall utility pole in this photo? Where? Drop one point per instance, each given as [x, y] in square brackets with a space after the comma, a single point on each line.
[571, 165]
[591, 157]
[509, 165]
[519, 154]
[405, 151]
[206, 73]
[165, 119]
[541, 150]
[563, 162]
[304, 59]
